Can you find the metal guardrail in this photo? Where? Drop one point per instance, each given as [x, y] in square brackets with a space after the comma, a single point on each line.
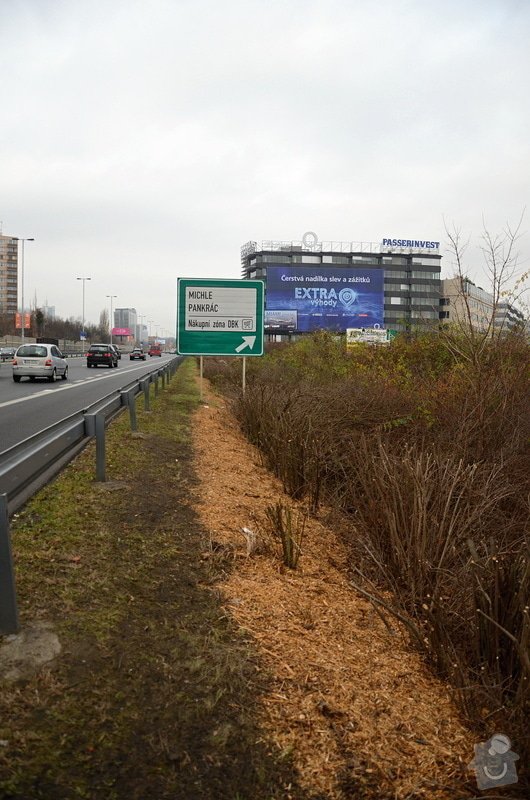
[28, 466]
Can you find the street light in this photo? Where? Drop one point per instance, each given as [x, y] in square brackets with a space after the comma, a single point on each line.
[112, 297]
[22, 317]
[141, 317]
[83, 327]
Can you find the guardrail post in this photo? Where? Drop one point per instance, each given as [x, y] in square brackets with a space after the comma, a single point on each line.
[100, 447]
[163, 376]
[145, 386]
[90, 425]
[95, 426]
[156, 385]
[131, 402]
[8, 595]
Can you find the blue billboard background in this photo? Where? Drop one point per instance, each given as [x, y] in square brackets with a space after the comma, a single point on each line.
[326, 297]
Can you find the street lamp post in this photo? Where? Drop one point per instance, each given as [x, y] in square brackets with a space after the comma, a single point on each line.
[112, 297]
[83, 326]
[22, 316]
[141, 317]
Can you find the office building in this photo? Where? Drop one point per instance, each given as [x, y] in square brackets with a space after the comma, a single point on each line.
[311, 284]
[48, 311]
[125, 318]
[465, 304]
[141, 334]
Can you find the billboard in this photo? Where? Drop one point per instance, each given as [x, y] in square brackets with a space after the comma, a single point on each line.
[308, 298]
[27, 320]
[121, 332]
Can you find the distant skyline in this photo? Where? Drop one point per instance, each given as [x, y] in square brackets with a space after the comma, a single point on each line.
[141, 142]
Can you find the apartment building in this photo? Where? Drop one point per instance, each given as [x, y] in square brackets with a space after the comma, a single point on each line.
[8, 274]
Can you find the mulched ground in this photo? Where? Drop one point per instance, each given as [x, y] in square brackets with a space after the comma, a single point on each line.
[350, 700]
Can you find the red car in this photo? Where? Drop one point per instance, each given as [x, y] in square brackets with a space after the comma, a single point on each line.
[155, 350]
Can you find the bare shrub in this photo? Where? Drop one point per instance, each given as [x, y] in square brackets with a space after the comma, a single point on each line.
[425, 455]
[288, 527]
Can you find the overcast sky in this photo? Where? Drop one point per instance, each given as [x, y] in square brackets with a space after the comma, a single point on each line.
[141, 140]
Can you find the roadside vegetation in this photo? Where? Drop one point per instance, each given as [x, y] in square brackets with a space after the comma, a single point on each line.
[420, 452]
[57, 327]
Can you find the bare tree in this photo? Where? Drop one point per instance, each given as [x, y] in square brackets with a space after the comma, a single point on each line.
[104, 322]
[507, 285]
[502, 264]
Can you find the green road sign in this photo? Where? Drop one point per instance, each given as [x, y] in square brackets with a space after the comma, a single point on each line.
[219, 317]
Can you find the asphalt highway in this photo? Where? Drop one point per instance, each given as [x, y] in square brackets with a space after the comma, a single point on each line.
[28, 407]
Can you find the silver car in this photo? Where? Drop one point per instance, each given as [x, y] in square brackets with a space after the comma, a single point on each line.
[39, 361]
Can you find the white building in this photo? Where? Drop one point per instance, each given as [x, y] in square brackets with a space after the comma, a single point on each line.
[467, 305]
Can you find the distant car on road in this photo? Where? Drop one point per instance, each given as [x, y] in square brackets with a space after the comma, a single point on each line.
[101, 354]
[155, 350]
[7, 353]
[39, 361]
[137, 353]
[116, 350]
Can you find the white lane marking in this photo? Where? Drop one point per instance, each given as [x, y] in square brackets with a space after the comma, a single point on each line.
[74, 385]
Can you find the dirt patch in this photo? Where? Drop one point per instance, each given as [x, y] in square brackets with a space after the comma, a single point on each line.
[350, 700]
[23, 654]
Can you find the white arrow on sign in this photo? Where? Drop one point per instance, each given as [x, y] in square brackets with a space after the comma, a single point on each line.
[248, 341]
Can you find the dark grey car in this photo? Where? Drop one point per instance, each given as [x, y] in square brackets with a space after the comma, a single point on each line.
[7, 353]
[101, 355]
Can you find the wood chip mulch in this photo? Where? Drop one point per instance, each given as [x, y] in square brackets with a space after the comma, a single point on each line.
[350, 700]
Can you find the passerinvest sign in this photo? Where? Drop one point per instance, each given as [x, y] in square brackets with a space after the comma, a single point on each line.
[309, 298]
[219, 317]
[418, 243]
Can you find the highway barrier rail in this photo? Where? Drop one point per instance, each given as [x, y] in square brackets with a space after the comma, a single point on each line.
[29, 465]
